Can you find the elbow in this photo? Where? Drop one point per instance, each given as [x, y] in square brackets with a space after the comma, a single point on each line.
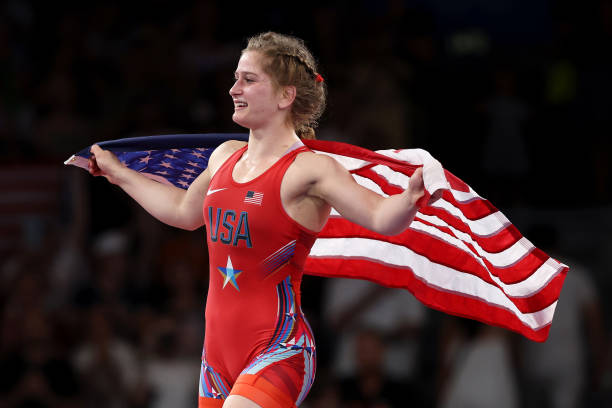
[393, 226]
[187, 219]
[386, 227]
[392, 230]
[192, 226]
[185, 224]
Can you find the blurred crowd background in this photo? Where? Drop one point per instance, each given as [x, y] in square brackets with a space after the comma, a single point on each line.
[102, 306]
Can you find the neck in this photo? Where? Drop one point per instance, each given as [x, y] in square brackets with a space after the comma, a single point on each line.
[269, 143]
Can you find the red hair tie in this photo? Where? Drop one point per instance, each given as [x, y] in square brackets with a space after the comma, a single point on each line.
[319, 78]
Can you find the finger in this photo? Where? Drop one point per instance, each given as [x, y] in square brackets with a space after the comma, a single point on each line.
[416, 181]
[92, 165]
[95, 149]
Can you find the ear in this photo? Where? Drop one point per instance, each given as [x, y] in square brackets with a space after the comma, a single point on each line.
[287, 97]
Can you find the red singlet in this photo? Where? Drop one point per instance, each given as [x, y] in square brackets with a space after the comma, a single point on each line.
[257, 343]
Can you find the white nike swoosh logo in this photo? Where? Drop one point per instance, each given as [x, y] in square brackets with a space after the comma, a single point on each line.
[209, 192]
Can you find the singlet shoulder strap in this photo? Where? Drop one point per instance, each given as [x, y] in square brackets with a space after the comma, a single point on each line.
[291, 154]
[285, 161]
[230, 161]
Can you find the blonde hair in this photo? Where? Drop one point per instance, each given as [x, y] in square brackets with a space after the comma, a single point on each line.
[290, 63]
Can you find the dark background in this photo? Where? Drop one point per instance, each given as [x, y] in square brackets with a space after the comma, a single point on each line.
[97, 298]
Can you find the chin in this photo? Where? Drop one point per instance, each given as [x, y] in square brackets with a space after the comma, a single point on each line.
[238, 120]
[242, 121]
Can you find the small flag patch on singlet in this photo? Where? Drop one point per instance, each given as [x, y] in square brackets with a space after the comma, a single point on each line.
[253, 197]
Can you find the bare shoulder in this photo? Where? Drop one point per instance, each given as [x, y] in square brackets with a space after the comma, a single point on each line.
[310, 170]
[222, 153]
[317, 165]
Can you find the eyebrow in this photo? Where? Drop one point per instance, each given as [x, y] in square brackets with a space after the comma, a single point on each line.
[245, 73]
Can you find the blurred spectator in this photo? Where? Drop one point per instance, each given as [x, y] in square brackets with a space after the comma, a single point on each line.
[106, 363]
[476, 368]
[69, 245]
[110, 251]
[36, 370]
[568, 366]
[171, 273]
[325, 392]
[351, 305]
[171, 371]
[370, 387]
[378, 115]
[505, 159]
[61, 129]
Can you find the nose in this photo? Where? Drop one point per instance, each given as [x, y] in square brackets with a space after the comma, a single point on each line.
[235, 89]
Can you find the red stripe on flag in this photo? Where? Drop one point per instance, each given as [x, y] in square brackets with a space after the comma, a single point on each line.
[443, 300]
[384, 185]
[504, 239]
[473, 209]
[518, 270]
[455, 182]
[451, 257]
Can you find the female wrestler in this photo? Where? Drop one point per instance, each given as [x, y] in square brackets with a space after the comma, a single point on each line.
[263, 203]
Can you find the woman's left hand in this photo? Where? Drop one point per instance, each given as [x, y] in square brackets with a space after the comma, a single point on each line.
[416, 186]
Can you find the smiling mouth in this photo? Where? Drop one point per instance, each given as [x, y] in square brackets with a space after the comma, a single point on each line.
[240, 105]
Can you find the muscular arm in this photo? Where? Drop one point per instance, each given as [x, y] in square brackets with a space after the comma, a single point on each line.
[388, 216]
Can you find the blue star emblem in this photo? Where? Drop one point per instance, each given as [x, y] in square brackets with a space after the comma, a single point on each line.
[230, 274]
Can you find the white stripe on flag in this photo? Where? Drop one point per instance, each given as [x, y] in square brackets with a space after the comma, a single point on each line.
[525, 288]
[433, 274]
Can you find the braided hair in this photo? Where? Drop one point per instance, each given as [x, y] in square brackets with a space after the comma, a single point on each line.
[290, 63]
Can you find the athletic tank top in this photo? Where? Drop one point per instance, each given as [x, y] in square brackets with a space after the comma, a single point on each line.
[254, 246]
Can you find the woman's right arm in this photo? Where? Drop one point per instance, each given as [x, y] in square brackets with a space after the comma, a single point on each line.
[171, 205]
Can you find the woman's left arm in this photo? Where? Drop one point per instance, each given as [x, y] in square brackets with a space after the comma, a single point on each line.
[385, 215]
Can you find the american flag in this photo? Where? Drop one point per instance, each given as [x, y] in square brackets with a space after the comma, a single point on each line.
[253, 197]
[460, 255]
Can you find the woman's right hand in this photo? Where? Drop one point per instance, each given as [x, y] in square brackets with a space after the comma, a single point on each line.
[104, 163]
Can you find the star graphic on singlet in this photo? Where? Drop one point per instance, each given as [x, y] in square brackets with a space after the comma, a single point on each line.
[230, 274]
[291, 314]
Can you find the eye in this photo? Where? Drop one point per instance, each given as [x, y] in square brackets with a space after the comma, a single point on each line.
[248, 80]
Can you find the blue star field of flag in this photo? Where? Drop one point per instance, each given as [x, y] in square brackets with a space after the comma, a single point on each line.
[177, 158]
[178, 166]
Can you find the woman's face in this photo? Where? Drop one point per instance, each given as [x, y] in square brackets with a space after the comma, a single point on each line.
[256, 99]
